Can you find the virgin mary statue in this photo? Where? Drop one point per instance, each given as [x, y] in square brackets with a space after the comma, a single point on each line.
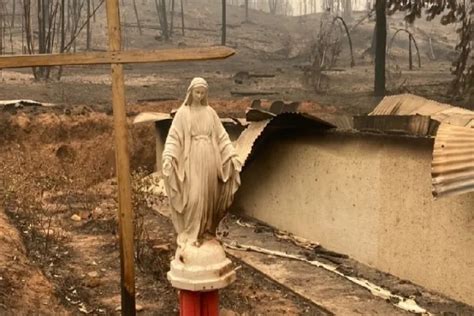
[200, 167]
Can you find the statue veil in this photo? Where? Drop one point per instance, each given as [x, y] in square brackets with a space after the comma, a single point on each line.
[195, 83]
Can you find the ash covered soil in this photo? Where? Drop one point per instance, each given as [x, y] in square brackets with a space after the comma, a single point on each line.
[273, 59]
[58, 230]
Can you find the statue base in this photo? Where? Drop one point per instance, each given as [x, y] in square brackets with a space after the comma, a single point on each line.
[203, 268]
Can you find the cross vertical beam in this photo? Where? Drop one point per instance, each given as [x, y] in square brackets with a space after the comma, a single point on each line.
[125, 212]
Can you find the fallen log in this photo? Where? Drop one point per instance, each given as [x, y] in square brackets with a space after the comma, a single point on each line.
[252, 93]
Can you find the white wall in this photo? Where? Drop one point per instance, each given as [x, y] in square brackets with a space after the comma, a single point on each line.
[369, 197]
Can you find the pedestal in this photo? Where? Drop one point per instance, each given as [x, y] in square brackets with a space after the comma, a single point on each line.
[203, 268]
[199, 272]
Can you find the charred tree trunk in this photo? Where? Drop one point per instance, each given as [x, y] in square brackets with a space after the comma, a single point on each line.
[172, 17]
[410, 57]
[63, 34]
[272, 6]
[246, 10]
[13, 14]
[380, 47]
[89, 35]
[348, 10]
[182, 17]
[161, 11]
[137, 17]
[2, 16]
[93, 16]
[224, 22]
[43, 22]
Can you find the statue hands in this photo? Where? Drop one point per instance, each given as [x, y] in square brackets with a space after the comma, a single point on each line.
[167, 166]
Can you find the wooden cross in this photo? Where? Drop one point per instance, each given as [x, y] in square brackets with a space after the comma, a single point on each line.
[116, 57]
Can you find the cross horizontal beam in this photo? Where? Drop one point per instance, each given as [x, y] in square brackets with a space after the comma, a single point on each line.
[117, 57]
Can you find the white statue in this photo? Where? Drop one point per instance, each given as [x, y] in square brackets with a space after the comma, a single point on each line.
[200, 167]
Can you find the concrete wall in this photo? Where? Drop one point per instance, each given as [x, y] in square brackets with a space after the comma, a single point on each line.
[367, 196]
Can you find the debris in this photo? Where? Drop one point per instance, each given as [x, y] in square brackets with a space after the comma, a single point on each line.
[256, 104]
[83, 309]
[323, 251]
[242, 76]
[146, 117]
[251, 93]
[138, 308]
[298, 241]
[258, 114]
[283, 235]
[22, 103]
[93, 274]
[406, 304]
[157, 99]
[279, 107]
[164, 247]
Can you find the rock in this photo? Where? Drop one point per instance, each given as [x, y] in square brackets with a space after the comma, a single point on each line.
[138, 308]
[227, 312]
[97, 213]
[76, 218]
[93, 274]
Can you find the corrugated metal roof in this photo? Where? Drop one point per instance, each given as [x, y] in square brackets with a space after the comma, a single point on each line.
[453, 152]
[246, 140]
[453, 160]
[146, 117]
[262, 123]
[408, 104]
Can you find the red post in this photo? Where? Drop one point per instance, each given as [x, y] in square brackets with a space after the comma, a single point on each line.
[199, 303]
[190, 303]
[210, 303]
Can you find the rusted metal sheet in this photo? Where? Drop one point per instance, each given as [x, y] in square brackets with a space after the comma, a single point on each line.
[415, 125]
[21, 103]
[453, 152]
[146, 117]
[453, 160]
[408, 104]
[246, 140]
[341, 121]
[261, 124]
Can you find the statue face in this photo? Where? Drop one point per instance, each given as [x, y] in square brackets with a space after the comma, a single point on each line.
[198, 94]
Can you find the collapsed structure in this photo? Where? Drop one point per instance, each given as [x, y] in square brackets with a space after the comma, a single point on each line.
[393, 191]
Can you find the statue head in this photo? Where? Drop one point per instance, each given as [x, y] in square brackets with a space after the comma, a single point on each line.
[197, 92]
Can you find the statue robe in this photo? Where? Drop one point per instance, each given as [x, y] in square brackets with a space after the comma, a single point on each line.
[204, 175]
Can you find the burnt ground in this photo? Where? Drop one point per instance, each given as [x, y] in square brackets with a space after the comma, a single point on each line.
[58, 190]
[59, 235]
